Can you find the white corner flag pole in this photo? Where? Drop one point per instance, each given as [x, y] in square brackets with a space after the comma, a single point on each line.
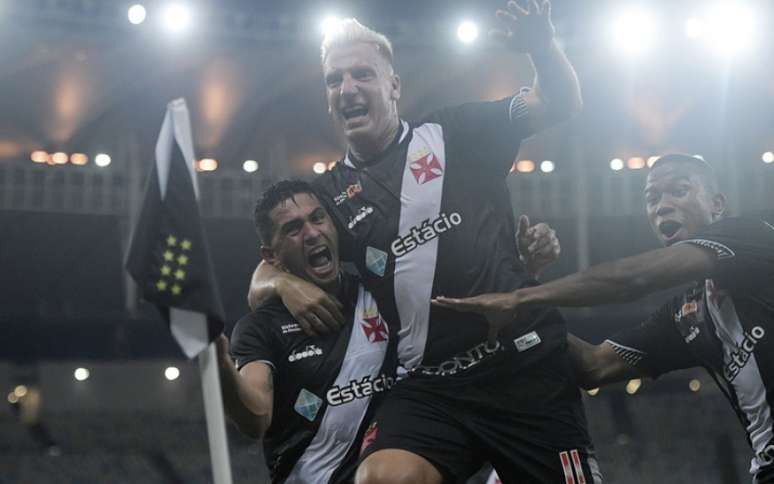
[190, 328]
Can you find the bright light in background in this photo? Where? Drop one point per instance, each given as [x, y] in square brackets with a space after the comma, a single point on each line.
[60, 158]
[136, 14]
[176, 17]
[319, 167]
[633, 386]
[768, 157]
[616, 164]
[207, 164]
[20, 391]
[635, 163]
[39, 156]
[102, 160]
[250, 166]
[634, 32]
[79, 159]
[172, 373]
[467, 32]
[12, 398]
[81, 374]
[729, 29]
[547, 166]
[694, 28]
[330, 25]
[525, 166]
[694, 385]
[593, 392]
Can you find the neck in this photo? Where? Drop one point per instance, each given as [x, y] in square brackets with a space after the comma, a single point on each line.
[333, 286]
[365, 150]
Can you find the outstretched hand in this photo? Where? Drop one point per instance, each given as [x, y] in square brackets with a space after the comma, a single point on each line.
[538, 245]
[499, 309]
[527, 28]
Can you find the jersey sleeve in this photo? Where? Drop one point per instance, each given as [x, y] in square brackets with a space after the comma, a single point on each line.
[486, 134]
[744, 248]
[654, 346]
[255, 339]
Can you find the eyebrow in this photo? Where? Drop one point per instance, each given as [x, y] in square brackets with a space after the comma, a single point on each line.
[681, 178]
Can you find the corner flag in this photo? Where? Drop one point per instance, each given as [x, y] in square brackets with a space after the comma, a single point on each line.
[168, 256]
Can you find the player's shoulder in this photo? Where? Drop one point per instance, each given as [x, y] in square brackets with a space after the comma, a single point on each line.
[740, 226]
[269, 318]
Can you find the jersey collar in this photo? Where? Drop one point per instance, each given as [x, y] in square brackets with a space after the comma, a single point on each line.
[353, 162]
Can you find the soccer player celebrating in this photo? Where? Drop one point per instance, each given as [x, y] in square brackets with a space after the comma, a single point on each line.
[724, 322]
[422, 209]
[309, 396]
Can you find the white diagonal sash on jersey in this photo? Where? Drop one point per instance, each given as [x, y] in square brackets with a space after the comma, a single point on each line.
[340, 423]
[748, 382]
[415, 270]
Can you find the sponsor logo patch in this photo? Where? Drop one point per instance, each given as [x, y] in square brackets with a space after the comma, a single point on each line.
[307, 404]
[426, 168]
[310, 350]
[350, 192]
[424, 233]
[462, 361]
[741, 355]
[376, 261]
[357, 218]
[291, 328]
[369, 436]
[526, 341]
[367, 386]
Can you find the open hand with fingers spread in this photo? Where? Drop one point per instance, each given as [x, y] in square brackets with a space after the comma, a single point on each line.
[499, 309]
[526, 27]
[538, 246]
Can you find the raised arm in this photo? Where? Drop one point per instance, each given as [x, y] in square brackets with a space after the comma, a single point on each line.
[597, 365]
[555, 95]
[248, 394]
[314, 309]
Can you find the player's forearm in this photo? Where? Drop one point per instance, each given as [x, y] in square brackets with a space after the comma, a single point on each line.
[264, 285]
[556, 81]
[248, 408]
[623, 280]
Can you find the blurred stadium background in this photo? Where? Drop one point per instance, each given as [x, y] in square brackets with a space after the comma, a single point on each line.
[96, 390]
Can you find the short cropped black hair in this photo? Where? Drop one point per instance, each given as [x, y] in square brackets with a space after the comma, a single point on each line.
[273, 196]
[701, 167]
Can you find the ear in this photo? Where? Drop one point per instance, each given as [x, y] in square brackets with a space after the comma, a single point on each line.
[395, 93]
[268, 255]
[719, 206]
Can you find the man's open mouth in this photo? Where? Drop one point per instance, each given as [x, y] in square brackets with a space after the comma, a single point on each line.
[669, 228]
[320, 257]
[352, 112]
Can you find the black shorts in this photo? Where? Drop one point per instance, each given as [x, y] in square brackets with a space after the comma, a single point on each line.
[530, 425]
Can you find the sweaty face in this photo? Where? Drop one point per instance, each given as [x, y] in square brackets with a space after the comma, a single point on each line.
[305, 241]
[678, 203]
[362, 93]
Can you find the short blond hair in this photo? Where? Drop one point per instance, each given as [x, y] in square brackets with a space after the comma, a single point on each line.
[349, 31]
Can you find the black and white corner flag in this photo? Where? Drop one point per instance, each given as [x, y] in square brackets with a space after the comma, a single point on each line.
[168, 256]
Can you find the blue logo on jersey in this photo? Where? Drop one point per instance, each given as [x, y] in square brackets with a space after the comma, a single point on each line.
[376, 261]
[307, 404]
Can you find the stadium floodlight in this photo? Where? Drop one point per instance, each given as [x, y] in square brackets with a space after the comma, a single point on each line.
[60, 158]
[330, 25]
[102, 160]
[136, 14]
[81, 374]
[731, 29]
[768, 157]
[634, 32]
[172, 373]
[547, 166]
[694, 385]
[467, 32]
[695, 28]
[616, 164]
[39, 156]
[319, 167]
[250, 166]
[633, 386]
[635, 163]
[176, 18]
